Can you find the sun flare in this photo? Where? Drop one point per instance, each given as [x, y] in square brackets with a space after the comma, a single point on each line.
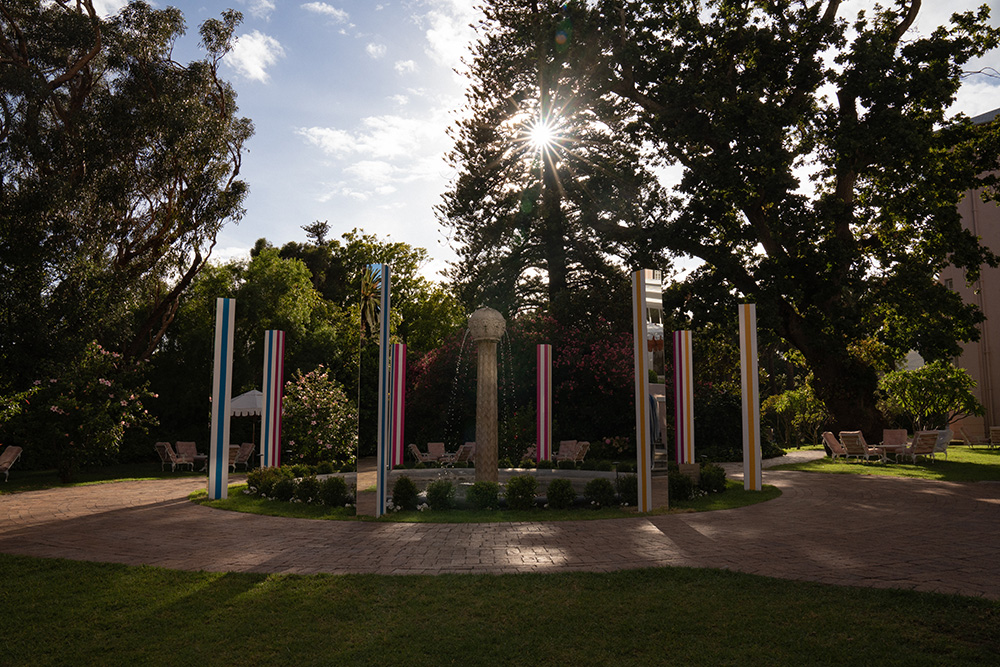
[542, 135]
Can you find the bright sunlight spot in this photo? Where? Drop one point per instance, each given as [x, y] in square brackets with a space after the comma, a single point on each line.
[542, 135]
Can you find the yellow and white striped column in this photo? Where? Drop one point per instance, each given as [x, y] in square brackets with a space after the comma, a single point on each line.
[684, 395]
[751, 397]
[643, 447]
[222, 391]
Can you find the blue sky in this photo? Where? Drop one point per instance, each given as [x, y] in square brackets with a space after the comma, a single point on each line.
[351, 100]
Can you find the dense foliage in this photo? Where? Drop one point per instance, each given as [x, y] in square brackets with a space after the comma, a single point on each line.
[930, 397]
[319, 422]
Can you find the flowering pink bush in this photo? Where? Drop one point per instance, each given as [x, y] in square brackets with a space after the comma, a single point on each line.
[319, 423]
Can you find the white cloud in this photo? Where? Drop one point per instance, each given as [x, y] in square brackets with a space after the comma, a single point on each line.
[375, 173]
[375, 50]
[337, 15]
[977, 96]
[388, 136]
[108, 7]
[405, 67]
[401, 100]
[253, 53]
[450, 30]
[259, 8]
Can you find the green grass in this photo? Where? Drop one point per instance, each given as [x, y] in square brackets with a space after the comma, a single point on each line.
[964, 464]
[237, 501]
[61, 612]
[34, 480]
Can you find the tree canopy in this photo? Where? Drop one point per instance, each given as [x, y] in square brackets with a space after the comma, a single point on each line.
[118, 167]
[821, 170]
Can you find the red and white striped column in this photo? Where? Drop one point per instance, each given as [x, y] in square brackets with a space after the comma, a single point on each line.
[684, 396]
[274, 385]
[397, 399]
[543, 421]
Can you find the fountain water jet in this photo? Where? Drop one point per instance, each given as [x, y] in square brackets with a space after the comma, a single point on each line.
[486, 327]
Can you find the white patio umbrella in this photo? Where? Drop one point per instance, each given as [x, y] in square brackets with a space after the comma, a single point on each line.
[250, 404]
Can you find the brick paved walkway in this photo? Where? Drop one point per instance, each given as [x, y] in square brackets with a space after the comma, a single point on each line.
[839, 529]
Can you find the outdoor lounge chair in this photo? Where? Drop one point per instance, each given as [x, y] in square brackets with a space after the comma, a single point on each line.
[972, 438]
[187, 452]
[894, 441]
[465, 453]
[943, 440]
[581, 451]
[419, 455]
[567, 451]
[167, 455]
[7, 459]
[836, 449]
[437, 451]
[243, 455]
[854, 443]
[994, 436]
[922, 445]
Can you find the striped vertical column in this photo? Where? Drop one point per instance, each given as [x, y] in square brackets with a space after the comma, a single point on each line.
[684, 396]
[643, 455]
[384, 412]
[222, 386]
[543, 420]
[398, 398]
[751, 397]
[274, 376]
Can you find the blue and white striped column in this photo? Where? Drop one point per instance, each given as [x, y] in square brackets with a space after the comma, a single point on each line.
[274, 375]
[384, 411]
[644, 455]
[751, 397]
[222, 385]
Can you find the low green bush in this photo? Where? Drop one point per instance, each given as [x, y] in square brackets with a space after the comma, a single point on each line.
[567, 465]
[527, 464]
[301, 470]
[504, 463]
[628, 489]
[521, 492]
[560, 494]
[599, 492]
[680, 486]
[605, 466]
[324, 468]
[712, 478]
[283, 489]
[262, 480]
[461, 464]
[484, 495]
[333, 492]
[307, 490]
[404, 494]
[545, 464]
[441, 495]
[626, 466]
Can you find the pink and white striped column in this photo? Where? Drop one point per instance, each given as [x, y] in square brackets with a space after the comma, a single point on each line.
[543, 420]
[684, 396]
[274, 385]
[751, 397]
[643, 446]
[397, 401]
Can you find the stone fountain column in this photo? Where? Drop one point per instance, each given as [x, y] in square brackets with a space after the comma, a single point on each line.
[486, 326]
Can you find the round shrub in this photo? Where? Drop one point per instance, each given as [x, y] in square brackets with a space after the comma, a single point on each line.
[521, 492]
[605, 466]
[712, 478]
[545, 464]
[628, 489]
[600, 492]
[404, 493]
[504, 463]
[527, 464]
[441, 495]
[626, 466]
[283, 489]
[560, 494]
[680, 485]
[301, 470]
[567, 465]
[263, 479]
[333, 492]
[461, 464]
[324, 468]
[307, 490]
[484, 495]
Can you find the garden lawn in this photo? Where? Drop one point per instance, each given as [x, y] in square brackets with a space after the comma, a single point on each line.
[59, 612]
[733, 497]
[964, 464]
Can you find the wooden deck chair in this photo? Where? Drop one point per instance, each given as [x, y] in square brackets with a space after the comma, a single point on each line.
[437, 451]
[836, 449]
[419, 455]
[168, 455]
[7, 459]
[854, 443]
[243, 455]
[581, 451]
[972, 438]
[922, 445]
[894, 440]
[943, 440]
[567, 451]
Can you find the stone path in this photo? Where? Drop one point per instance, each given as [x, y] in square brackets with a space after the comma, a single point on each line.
[838, 529]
